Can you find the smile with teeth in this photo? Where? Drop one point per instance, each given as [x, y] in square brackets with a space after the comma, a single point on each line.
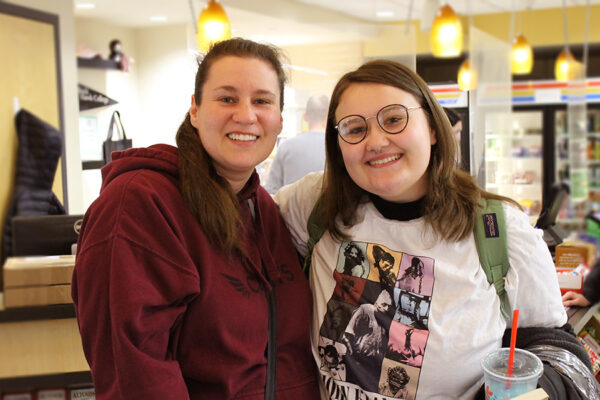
[385, 160]
[241, 137]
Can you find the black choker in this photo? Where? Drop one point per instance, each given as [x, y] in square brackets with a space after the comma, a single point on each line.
[398, 211]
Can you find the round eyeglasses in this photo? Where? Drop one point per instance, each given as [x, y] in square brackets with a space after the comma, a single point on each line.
[392, 119]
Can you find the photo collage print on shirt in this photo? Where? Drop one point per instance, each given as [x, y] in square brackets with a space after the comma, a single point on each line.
[374, 333]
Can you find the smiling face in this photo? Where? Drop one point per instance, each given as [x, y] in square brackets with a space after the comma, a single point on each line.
[393, 167]
[239, 117]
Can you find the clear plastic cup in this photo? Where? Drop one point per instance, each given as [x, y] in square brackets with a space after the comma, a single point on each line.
[527, 369]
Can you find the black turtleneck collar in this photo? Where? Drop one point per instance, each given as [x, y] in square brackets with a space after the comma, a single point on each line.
[398, 211]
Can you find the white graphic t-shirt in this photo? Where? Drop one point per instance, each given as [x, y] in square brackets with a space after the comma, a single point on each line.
[399, 315]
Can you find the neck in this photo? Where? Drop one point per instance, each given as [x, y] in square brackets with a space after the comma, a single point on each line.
[237, 181]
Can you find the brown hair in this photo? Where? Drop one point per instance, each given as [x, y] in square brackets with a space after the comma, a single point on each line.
[452, 195]
[208, 196]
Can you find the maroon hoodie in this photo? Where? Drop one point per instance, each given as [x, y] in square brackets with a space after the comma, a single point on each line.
[163, 314]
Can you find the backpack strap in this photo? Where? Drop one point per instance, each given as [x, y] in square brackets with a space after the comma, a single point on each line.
[492, 247]
[315, 232]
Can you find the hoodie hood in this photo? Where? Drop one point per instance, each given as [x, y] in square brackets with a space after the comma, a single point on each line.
[160, 158]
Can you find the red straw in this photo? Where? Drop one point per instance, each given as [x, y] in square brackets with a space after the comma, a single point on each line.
[513, 343]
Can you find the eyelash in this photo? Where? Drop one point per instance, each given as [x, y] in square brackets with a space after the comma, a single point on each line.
[230, 100]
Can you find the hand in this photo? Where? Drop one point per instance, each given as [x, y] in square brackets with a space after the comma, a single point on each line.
[575, 299]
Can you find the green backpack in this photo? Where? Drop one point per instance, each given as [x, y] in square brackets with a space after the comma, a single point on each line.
[490, 239]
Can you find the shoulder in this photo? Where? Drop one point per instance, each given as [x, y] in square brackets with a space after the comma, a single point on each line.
[303, 193]
[141, 195]
[517, 222]
[296, 202]
[141, 184]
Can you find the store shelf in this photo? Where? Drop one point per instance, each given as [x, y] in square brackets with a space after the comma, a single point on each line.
[570, 221]
[98, 63]
[579, 316]
[82, 378]
[44, 346]
[57, 311]
[513, 158]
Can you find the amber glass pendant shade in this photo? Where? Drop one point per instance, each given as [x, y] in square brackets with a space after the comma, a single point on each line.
[521, 56]
[467, 76]
[565, 66]
[213, 26]
[446, 34]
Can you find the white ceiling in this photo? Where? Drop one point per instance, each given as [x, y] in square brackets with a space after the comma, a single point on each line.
[286, 22]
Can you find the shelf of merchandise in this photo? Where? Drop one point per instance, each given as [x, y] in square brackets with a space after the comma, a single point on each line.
[579, 316]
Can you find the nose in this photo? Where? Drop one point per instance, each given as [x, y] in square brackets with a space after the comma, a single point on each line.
[376, 137]
[244, 113]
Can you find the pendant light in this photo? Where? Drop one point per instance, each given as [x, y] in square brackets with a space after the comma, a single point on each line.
[467, 76]
[213, 26]
[446, 33]
[521, 56]
[565, 66]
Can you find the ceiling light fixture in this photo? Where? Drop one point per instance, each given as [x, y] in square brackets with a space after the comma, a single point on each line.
[85, 6]
[213, 26]
[385, 14]
[446, 34]
[521, 56]
[565, 65]
[158, 18]
[467, 76]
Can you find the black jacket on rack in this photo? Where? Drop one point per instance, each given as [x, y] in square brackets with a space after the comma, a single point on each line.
[40, 147]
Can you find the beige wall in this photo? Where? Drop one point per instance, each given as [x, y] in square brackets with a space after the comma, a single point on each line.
[318, 67]
[166, 81]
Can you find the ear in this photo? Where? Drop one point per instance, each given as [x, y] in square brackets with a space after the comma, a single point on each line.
[432, 136]
[194, 113]
[280, 124]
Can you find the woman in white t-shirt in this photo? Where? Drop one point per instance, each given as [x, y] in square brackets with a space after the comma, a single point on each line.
[391, 185]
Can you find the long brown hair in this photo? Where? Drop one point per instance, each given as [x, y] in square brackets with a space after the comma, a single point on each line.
[452, 195]
[209, 196]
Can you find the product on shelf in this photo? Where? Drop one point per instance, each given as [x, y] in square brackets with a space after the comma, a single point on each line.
[18, 396]
[51, 394]
[82, 394]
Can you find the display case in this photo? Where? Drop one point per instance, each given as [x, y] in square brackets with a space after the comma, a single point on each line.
[526, 150]
[513, 160]
[576, 212]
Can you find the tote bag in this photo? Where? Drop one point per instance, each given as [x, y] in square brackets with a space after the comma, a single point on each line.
[122, 143]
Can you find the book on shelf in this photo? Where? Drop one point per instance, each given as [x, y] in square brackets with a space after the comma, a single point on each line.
[82, 394]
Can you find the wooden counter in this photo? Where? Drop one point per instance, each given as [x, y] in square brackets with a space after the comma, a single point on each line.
[41, 347]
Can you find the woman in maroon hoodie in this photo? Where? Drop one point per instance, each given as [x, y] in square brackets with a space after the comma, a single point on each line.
[187, 285]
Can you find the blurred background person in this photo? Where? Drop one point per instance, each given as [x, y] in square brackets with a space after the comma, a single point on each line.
[457, 126]
[304, 153]
[591, 290]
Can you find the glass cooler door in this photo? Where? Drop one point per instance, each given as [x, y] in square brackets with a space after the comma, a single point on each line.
[513, 159]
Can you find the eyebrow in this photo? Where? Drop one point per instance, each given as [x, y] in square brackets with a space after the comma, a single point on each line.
[233, 89]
